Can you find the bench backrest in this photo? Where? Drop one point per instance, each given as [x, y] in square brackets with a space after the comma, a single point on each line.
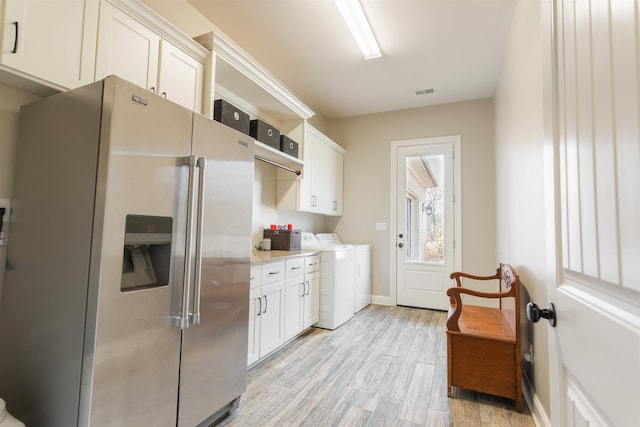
[510, 282]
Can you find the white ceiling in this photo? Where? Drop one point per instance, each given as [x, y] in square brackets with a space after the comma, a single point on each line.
[455, 47]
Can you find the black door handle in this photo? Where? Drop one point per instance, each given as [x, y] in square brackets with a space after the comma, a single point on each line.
[534, 313]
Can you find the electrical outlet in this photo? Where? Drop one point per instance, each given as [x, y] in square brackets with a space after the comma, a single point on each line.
[529, 355]
[4, 220]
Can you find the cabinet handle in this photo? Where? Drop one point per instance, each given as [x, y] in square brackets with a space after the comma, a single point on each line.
[296, 268]
[303, 289]
[265, 304]
[274, 272]
[15, 41]
[335, 205]
[308, 286]
[152, 89]
[259, 306]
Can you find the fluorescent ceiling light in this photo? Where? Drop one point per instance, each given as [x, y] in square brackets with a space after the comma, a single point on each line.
[353, 15]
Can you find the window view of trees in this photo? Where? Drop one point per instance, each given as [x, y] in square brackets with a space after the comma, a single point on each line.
[425, 216]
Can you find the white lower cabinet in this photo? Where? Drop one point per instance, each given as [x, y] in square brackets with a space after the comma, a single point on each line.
[272, 318]
[266, 310]
[294, 306]
[283, 302]
[311, 299]
[311, 313]
[255, 307]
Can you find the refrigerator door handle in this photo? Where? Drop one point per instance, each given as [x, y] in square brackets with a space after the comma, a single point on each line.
[195, 319]
[186, 285]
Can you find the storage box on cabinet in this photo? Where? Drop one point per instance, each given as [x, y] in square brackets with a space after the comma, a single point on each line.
[285, 240]
[265, 133]
[288, 146]
[230, 115]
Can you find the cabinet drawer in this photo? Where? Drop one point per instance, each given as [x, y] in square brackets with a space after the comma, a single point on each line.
[272, 272]
[311, 264]
[295, 267]
[255, 277]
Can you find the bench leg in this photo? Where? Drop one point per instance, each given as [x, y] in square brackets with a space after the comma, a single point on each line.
[450, 391]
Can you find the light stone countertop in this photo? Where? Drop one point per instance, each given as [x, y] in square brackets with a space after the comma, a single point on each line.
[264, 257]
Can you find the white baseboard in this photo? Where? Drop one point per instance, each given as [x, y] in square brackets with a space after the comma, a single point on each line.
[380, 300]
[540, 417]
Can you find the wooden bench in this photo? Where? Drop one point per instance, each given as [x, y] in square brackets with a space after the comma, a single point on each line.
[483, 344]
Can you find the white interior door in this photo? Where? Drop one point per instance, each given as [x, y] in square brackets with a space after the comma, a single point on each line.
[425, 222]
[592, 162]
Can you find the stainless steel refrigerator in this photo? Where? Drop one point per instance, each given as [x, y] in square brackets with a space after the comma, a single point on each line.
[126, 294]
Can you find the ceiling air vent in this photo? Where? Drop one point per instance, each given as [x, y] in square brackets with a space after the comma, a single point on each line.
[424, 91]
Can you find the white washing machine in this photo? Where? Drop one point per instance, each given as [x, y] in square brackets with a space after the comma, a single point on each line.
[363, 269]
[337, 280]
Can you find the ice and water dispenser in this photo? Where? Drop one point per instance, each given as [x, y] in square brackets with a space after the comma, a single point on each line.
[147, 252]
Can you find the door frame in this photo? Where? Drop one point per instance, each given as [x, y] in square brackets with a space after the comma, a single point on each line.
[457, 202]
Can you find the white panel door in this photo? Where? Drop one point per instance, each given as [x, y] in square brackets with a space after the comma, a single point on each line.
[272, 318]
[53, 40]
[293, 306]
[592, 170]
[425, 222]
[126, 48]
[181, 77]
[255, 309]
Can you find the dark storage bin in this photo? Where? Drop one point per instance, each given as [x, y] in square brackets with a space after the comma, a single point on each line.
[230, 115]
[283, 240]
[265, 133]
[288, 146]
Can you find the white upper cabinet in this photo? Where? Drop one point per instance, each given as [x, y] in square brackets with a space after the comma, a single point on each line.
[52, 42]
[180, 77]
[319, 189]
[127, 48]
[141, 53]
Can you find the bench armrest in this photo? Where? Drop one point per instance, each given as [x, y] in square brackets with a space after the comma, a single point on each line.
[458, 274]
[456, 302]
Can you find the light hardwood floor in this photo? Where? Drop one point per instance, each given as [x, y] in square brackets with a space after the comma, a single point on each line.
[387, 366]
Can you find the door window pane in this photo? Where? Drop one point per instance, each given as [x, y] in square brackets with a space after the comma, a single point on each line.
[425, 211]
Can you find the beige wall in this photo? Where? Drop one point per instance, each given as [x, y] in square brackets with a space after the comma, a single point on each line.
[367, 179]
[519, 165]
[10, 101]
[264, 206]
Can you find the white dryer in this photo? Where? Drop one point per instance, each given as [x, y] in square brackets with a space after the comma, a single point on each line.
[337, 280]
[363, 268]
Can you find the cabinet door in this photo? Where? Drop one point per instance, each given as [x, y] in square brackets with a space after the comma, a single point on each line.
[311, 299]
[126, 48]
[53, 40]
[255, 311]
[338, 165]
[293, 307]
[322, 178]
[272, 318]
[181, 77]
